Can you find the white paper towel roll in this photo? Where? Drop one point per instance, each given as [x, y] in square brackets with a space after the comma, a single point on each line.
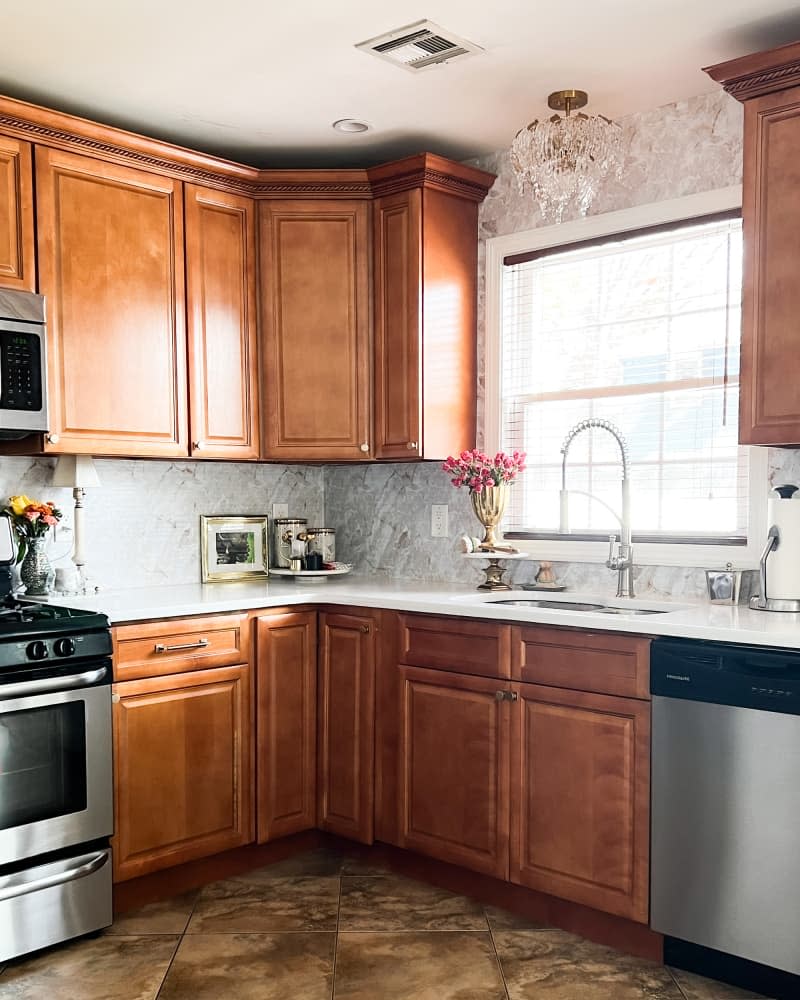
[783, 563]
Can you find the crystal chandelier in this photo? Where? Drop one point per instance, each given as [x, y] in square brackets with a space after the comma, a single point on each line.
[562, 159]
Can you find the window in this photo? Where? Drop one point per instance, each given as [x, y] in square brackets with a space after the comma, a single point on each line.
[640, 328]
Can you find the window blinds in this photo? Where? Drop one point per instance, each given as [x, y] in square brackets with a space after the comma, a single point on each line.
[642, 330]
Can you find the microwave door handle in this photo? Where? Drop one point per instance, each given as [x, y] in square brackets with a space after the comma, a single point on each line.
[51, 684]
[88, 864]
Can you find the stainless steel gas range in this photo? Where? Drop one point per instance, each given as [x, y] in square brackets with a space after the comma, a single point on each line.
[56, 800]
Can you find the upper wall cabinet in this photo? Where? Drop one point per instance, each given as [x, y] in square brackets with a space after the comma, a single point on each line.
[16, 215]
[110, 244]
[315, 330]
[425, 219]
[768, 84]
[221, 317]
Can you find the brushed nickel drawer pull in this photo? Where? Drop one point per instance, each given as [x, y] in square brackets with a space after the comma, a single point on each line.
[365, 629]
[161, 648]
[506, 695]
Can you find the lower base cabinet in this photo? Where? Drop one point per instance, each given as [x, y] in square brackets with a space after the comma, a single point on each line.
[346, 726]
[286, 713]
[453, 776]
[182, 757]
[580, 812]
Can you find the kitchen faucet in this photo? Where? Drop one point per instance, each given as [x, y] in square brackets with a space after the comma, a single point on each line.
[620, 558]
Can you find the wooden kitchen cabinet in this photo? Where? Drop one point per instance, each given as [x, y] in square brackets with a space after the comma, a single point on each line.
[182, 768]
[580, 803]
[425, 226]
[453, 768]
[286, 731]
[17, 265]
[221, 318]
[110, 242]
[768, 84]
[315, 267]
[346, 725]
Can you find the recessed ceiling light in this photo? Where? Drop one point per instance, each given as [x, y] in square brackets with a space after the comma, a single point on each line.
[350, 125]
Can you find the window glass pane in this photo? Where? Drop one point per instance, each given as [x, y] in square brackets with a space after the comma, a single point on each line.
[642, 331]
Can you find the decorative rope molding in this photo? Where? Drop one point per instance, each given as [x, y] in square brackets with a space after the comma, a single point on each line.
[744, 87]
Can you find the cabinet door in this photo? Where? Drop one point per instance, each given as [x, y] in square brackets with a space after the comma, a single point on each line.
[221, 315]
[454, 769]
[397, 222]
[286, 735]
[315, 308]
[346, 726]
[580, 819]
[770, 394]
[110, 242]
[182, 767]
[16, 215]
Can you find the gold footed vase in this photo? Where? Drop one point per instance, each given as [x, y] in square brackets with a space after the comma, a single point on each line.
[489, 505]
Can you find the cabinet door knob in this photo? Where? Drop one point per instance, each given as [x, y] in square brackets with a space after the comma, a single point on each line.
[412, 445]
[506, 695]
[365, 446]
[53, 438]
[365, 629]
[197, 445]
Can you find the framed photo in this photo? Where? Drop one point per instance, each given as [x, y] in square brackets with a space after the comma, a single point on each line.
[233, 548]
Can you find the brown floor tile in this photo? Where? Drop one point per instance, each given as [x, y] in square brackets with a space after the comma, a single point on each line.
[440, 965]
[394, 903]
[363, 866]
[169, 916]
[554, 965]
[502, 920]
[106, 968]
[319, 863]
[697, 988]
[251, 967]
[278, 904]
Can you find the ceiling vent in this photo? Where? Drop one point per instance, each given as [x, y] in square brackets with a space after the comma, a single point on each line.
[419, 46]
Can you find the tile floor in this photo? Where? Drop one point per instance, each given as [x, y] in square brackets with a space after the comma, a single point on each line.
[323, 926]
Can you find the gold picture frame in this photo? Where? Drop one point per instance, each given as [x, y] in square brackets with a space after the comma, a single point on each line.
[233, 548]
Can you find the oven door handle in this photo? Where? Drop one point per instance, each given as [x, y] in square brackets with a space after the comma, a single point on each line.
[46, 684]
[88, 864]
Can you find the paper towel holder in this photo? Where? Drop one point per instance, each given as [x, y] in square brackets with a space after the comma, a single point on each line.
[763, 602]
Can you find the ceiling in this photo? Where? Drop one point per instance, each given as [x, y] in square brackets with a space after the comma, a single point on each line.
[263, 82]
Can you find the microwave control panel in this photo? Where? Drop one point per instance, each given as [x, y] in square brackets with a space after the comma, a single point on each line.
[20, 371]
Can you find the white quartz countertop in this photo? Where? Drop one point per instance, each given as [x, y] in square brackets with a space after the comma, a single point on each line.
[719, 623]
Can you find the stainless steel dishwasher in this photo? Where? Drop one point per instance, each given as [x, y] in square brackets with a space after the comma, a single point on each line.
[726, 799]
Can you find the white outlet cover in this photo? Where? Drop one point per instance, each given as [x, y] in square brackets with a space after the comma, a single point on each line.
[439, 519]
[280, 510]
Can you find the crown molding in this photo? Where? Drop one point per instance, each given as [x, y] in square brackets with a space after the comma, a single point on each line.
[36, 124]
[760, 73]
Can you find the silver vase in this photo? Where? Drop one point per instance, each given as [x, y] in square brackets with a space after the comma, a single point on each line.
[35, 571]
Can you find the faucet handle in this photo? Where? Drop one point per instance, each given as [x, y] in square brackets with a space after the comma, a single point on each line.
[611, 561]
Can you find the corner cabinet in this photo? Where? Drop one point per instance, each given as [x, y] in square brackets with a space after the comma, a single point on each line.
[316, 330]
[110, 242]
[425, 238]
[17, 265]
[768, 84]
[346, 725]
[286, 714]
[222, 318]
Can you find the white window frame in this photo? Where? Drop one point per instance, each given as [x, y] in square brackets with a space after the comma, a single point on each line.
[610, 224]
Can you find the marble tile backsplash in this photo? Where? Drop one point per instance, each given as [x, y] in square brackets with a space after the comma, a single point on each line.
[143, 523]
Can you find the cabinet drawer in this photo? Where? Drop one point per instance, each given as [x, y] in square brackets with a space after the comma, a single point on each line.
[151, 649]
[469, 647]
[606, 662]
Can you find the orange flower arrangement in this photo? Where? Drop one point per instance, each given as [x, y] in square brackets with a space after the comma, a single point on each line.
[31, 519]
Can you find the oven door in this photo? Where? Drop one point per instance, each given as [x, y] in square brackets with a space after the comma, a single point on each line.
[55, 765]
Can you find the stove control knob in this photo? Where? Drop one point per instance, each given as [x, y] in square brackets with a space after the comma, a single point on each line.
[64, 647]
[37, 650]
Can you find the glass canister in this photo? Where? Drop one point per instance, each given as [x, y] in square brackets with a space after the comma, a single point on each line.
[284, 532]
[323, 540]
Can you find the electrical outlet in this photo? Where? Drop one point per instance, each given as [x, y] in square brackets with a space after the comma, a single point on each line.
[439, 520]
[280, 510]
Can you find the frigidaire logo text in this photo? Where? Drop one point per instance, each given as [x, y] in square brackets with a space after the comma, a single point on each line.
[678, 677]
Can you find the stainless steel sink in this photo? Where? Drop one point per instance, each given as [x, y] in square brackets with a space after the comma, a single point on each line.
[604, 609]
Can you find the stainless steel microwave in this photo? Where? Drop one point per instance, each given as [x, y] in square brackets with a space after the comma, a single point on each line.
[23, 364]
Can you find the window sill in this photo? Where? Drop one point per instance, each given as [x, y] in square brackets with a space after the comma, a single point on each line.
[644, 553]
